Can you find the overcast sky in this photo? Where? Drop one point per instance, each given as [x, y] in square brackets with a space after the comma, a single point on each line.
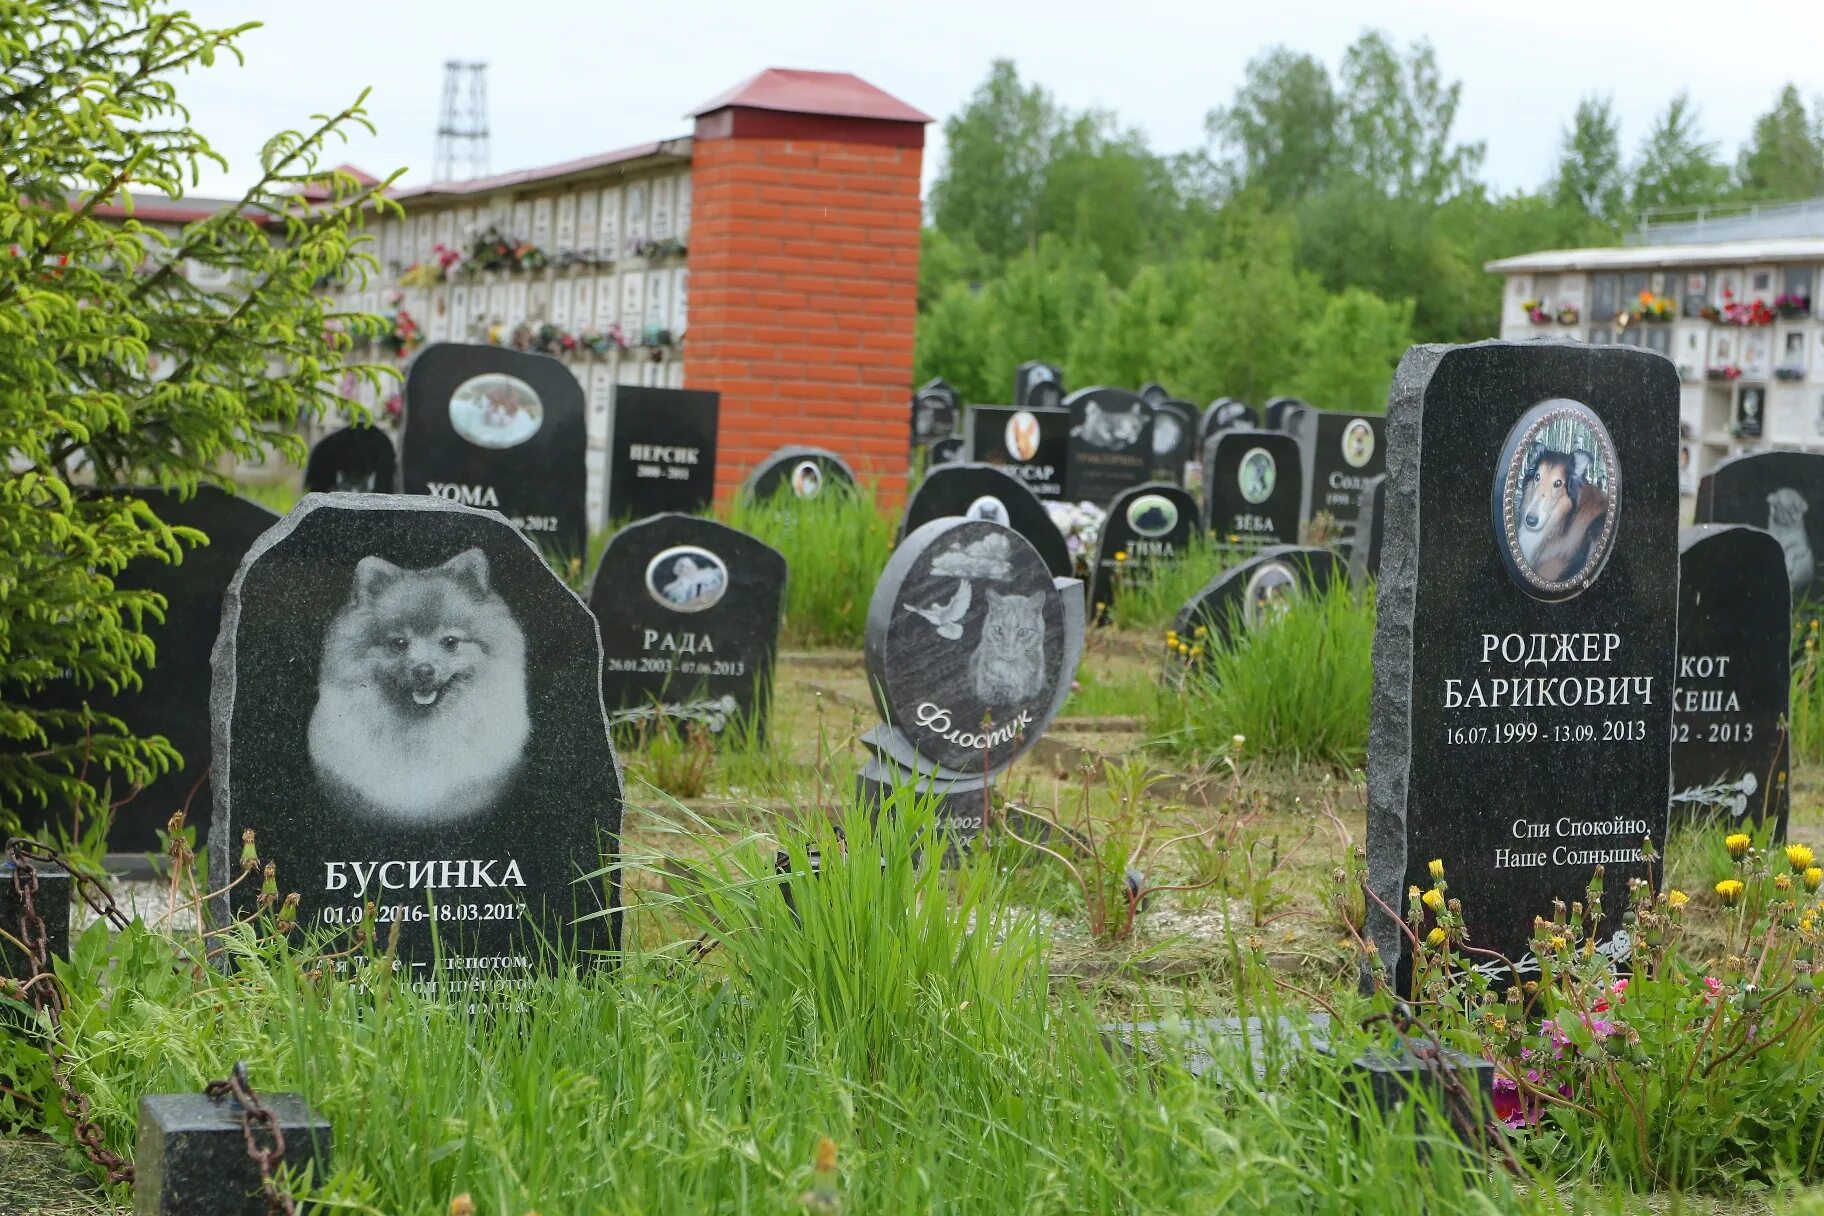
[568, 78]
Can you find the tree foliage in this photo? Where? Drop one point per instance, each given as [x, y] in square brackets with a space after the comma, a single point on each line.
[1677, 166]
[1784, 158]
[120, 365]
[1589, 173]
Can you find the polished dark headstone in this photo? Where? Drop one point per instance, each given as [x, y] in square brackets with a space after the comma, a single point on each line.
[935, 407]
[1241, 596]
[50, 901]
[1174, 439]
[172, 698]
[1459, 1085]
[1253, 487]
[1524, 654]
[191, 1158]
[1038, 386]
[800, 472]
[985, 491]
[407, 710]
[354, 460]
[971, 647]
[1733, 691]
[661, 451]
[1033, 445]
[689, 611]
[1153, 392]
[949, 450]
[486, 426]
[1223, 414]
[1782, 492]
[1277, 408]
[1370, 527]
[1339, 453]
[1148, 528]
[1111, 444]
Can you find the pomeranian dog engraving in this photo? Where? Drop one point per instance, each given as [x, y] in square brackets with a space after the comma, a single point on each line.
[1561, 514]
[1786, 509]
[1008, 665]
[421, 701]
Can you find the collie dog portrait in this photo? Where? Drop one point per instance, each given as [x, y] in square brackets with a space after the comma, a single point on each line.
[421, 696]
[1561, 514]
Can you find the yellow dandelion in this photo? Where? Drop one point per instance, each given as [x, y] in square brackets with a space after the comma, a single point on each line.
[1196, 652]
[1437, 869]
[1200, 631]
[1558, 943]
[462, 1205]
[1814, 878]
[1434, 899]
[1730, 891]
[1436, 938]
[1799, 857]
[1120, 555]
[1676, 898]
[1737, 843]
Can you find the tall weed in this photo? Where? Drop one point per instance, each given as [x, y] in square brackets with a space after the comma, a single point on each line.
[835, 547]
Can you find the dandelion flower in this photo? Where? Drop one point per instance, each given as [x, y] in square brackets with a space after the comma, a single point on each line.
[1437, 869]
[1676, 898]
[1120, 555]
[1814, 878]
[1434, 899]
[1799, 857]
[1737, 843]
[1436, 938]
[1558, 943]
[1782, 882]
[1236, 742]
[1730, 891]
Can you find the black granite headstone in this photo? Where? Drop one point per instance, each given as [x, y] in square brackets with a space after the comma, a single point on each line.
[985, 491]
[934, 412]
[407, 708]
[1111, 444]
[1370, 527]
[1244, 594]
[355, 459]
[173, 696]
[1038, 386]
[1148, 527]
[1252, 487]
[1277, 408]
[801, 472]
[1174, 439]
[1339, 452]
[948, 450]
[1153, 392]
[1782, 492]
[1033, 445]
[486, 426]
[689, 611]
[1224, 413]
[1732, 694]
[1524, 654]
[661, 451]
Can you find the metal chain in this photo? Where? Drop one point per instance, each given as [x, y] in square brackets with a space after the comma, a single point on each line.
[47, 999]
[258, 1123]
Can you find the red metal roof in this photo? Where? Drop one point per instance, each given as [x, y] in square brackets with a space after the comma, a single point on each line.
[679, 148]
[838, 94]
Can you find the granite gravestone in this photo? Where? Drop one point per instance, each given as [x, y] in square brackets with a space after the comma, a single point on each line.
[1223, 414]
[1782, 492]
[1525, 639]
[983, 491]
[1174, 439]
[1252, 487]
[661, 451]
[689, 611]
[407, 712]
[1370, 526]
[948, 450]
[173, 696]
[1338, 453]
[1153, 392]
[490, 427]
[1277, 409]
[799, 472]
[1111, 444]
[1038, 386]
[934, 413]
[355, 459]
[1148, 527]
[1246, 594]
[1732, 694]
[971, 647]
[1033, 445]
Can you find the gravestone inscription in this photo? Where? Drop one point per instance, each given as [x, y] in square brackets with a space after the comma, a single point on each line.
[689, 610]
[1147, 529]
[1174, 439]
[1338, 453]
[1111, 444]
[1525, 646]
[172, 698]
[1782, 492]
[486, 426]
[661, 450]
[1038, 386]
[801, 472]
[355, 459]
[1732, 693]
[407, 712]
[1033, 445]
[1253, 487]
[985, 491]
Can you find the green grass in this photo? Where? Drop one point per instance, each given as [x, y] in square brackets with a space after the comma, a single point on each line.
[1296, 688]
[1127, 694]
[835, 547]
[1149, 600]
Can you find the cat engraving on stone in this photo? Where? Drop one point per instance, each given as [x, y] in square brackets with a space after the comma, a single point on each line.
[1008, 665]
[1110, 428]
[1786, 509]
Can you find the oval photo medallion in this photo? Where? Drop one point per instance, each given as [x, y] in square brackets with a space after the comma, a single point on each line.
[1022, 436]
[686, 578]
[1557, 499]
[496, 410]
[1256, 475]
[807, 479]
[1152, 515]
[1270, 591]
[1358, 443]
[987, 507]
